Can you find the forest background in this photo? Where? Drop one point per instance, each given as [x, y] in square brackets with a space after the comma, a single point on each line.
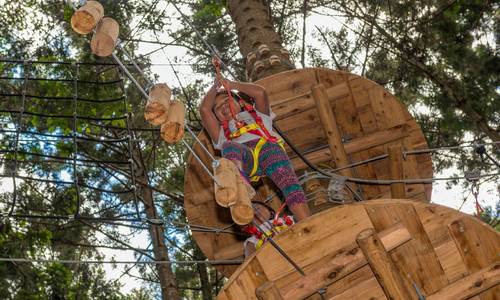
[440, 58]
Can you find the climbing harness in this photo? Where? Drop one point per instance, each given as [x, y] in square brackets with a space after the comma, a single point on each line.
[258, 128]
[277, 225]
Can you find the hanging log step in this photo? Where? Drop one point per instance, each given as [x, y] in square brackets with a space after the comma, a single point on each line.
[86, 17]
[105, 37]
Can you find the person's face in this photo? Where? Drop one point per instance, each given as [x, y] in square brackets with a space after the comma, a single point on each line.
[221, 107]
[261, 213]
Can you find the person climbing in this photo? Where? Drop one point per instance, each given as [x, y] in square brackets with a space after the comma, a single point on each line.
[269, 224]
[244, 134]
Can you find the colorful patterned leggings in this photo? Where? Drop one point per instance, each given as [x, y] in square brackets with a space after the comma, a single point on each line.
[273, 163]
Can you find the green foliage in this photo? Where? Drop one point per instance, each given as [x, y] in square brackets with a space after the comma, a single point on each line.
[491, 216]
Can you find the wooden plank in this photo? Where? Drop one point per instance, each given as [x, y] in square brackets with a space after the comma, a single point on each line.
[382, 265]
[397, 172]
[477, 247]
[327, 239]
[450, 259]
[337, 265]
[268, 291]
[471, 285]
[297, 82]
[416, 260]
[360, 285]
[366, 171]
[376, 96]
[354, 146]
[232, 251]
[244, 284]
[330, 128]
[223, 296]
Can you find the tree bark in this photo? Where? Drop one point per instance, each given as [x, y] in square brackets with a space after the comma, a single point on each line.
[168, 282]
[255, 31]
[206, 286]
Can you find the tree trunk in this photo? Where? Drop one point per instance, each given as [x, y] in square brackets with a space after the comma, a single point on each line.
[206, 287]
[258, 40]
[168, 282]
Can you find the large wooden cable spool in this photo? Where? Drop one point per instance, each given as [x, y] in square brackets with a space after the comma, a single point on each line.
[368, 119]
[380, 249]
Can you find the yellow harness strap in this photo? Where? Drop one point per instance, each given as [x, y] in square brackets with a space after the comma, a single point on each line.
[268, 234]
[245, 129]
[255, 153]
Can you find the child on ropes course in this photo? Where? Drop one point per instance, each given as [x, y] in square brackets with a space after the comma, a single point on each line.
[244, 134]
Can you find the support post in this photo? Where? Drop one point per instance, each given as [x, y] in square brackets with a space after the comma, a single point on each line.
[398, 190]
[382, 266]
[331, 129]
[332, 132]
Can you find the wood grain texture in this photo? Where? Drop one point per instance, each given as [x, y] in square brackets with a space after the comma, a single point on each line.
[382, 265]
[353, 101]
[324, 246]
[477, 248]
[472, 285]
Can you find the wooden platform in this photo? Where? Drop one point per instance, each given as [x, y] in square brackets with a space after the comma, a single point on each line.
[378, 249]
[369, 120]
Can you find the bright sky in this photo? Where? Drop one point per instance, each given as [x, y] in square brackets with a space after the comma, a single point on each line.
[441, 195]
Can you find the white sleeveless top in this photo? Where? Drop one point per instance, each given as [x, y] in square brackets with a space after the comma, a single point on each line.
[248, 119]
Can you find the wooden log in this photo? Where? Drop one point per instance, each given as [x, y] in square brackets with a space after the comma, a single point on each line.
[242, 210]
[172, 130]
[105, 37]
[226, 174]
[471, 285]
[268, 291]
[331, 129]
[87, 17]
[155, 113]
[382, 265]
[418, 252]
[398, 190]
[156, 110]
[340, 264]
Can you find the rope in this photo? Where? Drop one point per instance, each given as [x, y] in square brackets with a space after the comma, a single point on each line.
[113, 221]
[132, 78]
[62, 80]
[66, 183]
[22, 61]
[408, 181]
[156, 262]
[75, 145]
[63, 98]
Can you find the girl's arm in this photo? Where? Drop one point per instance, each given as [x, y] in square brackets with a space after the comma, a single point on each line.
[208, 117]
[257, 92]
